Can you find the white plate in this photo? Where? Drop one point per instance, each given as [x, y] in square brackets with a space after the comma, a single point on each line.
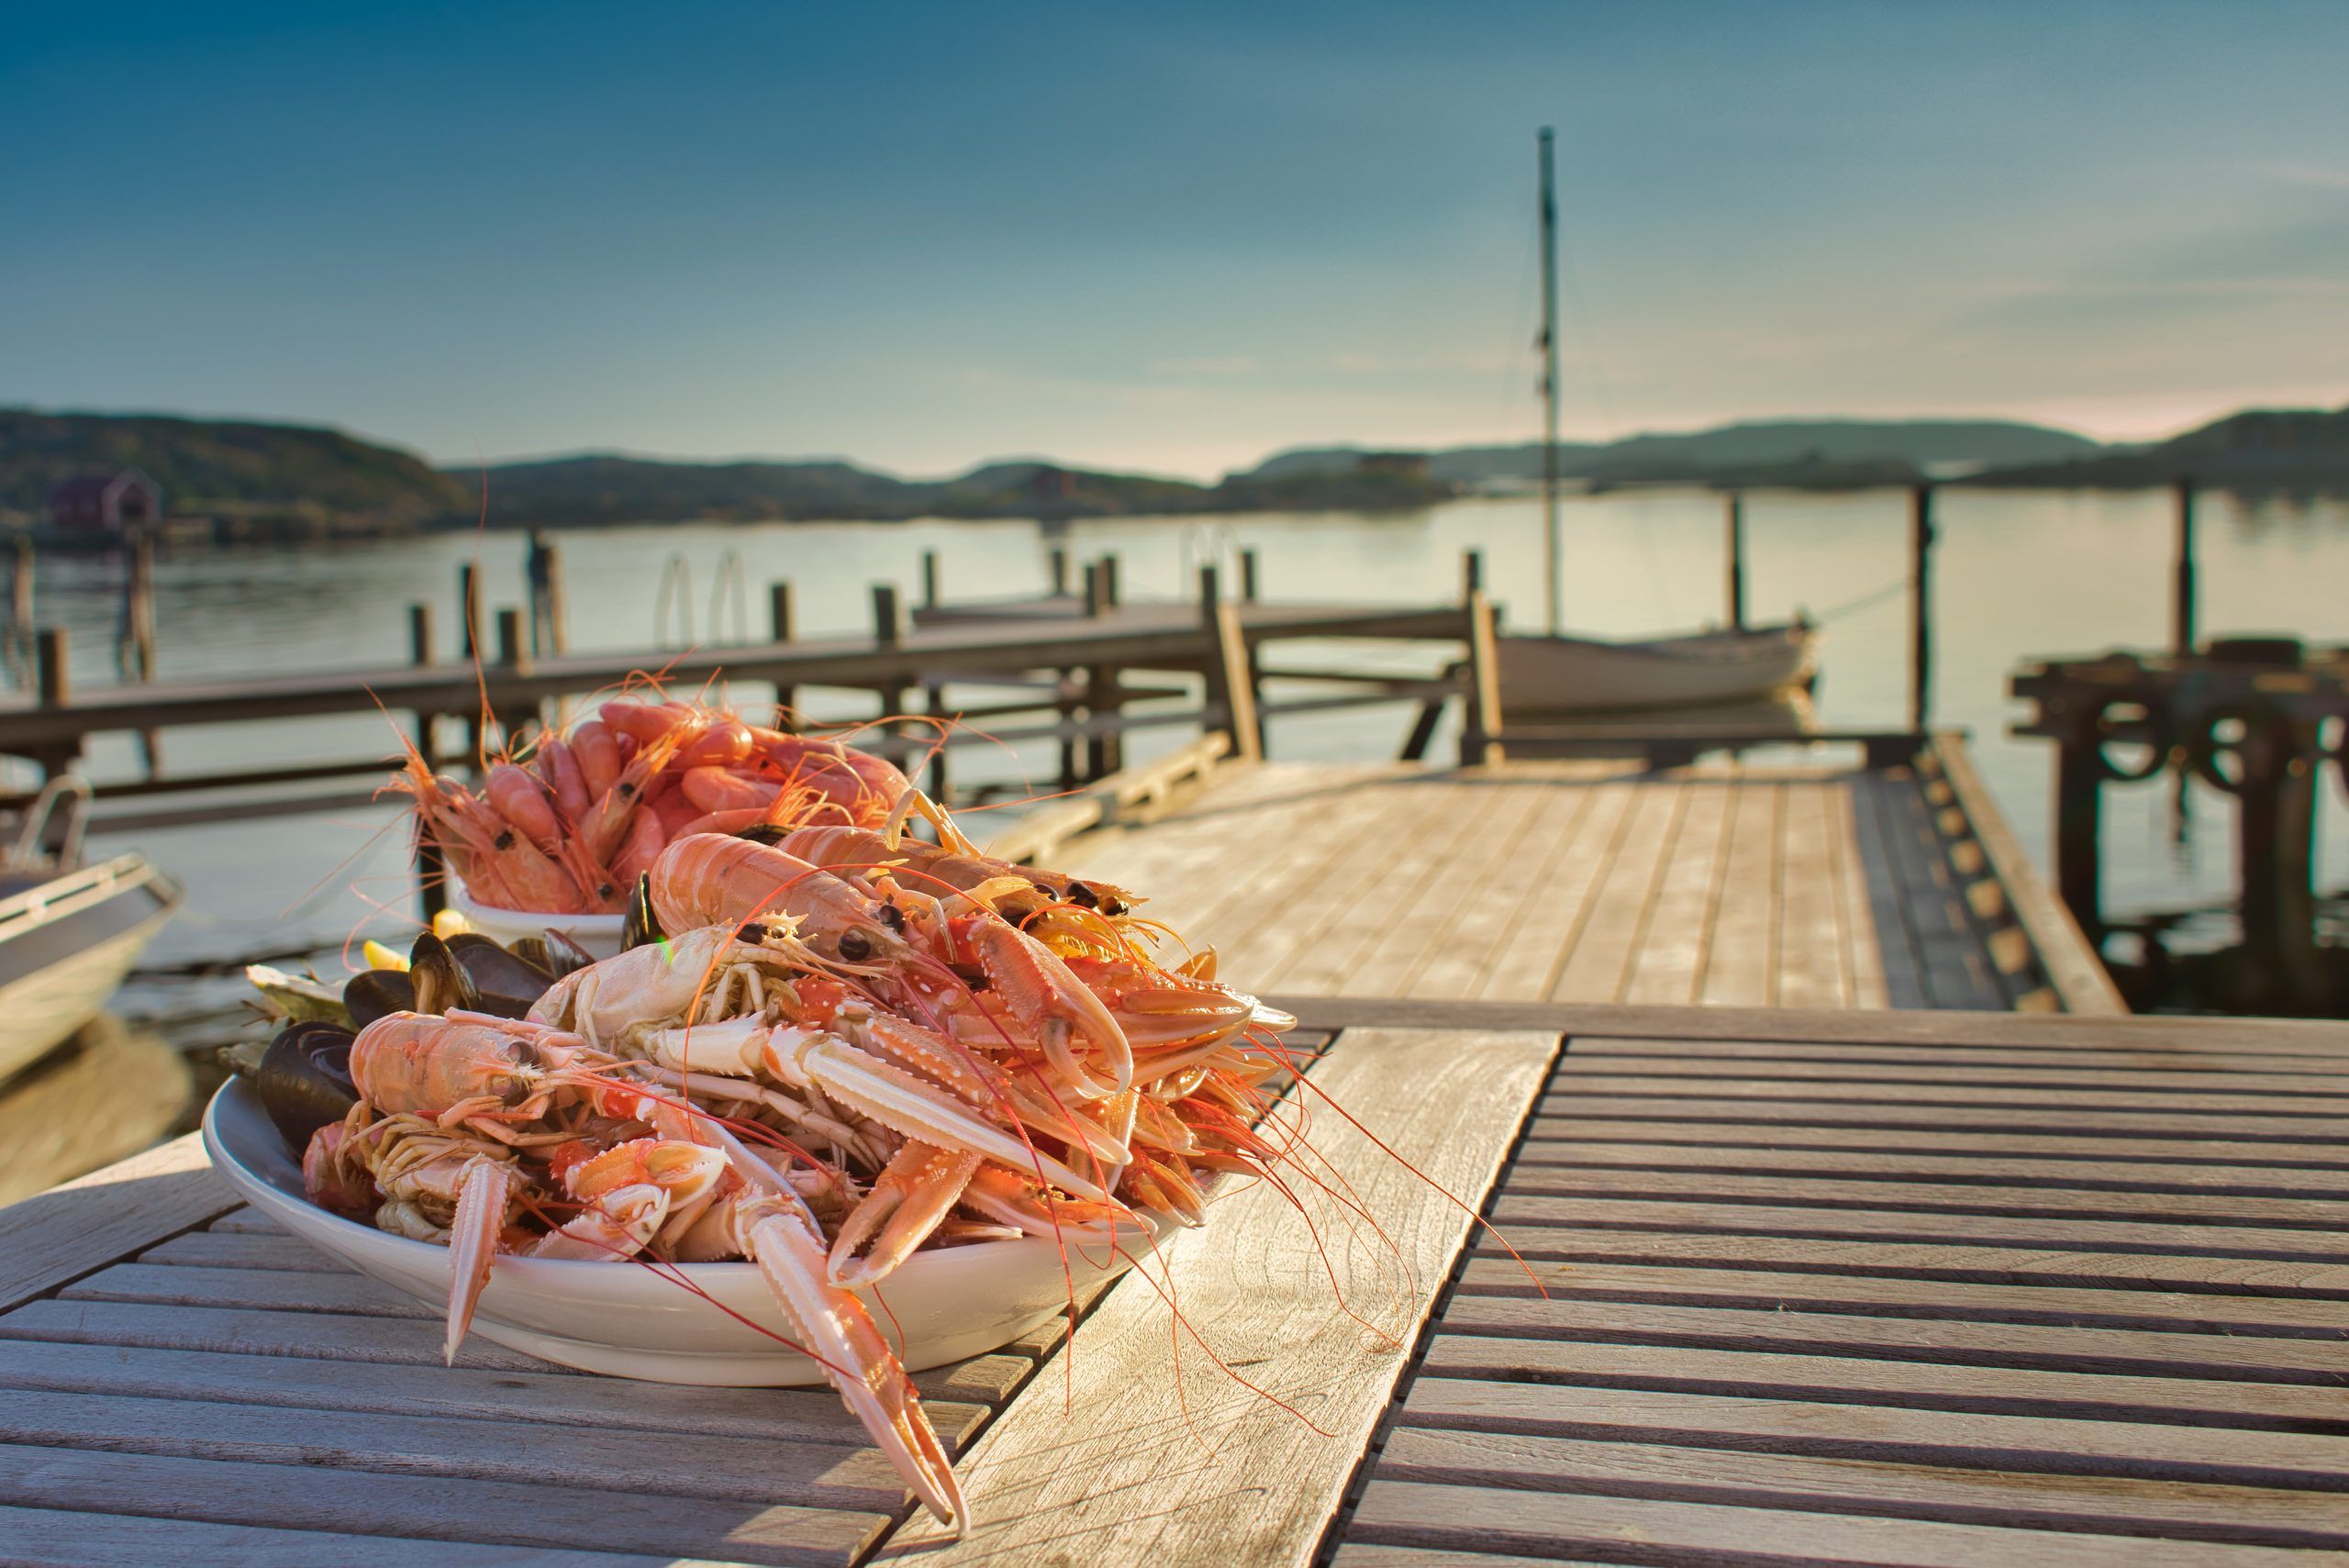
[623, 1319]
[598, 934]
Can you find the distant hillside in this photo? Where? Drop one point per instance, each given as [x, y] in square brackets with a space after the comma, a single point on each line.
[1788, 451]
[2256, 450]
[601, 488]
[216, 465]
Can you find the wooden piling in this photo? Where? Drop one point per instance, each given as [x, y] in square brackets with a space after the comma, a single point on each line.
[1471, 574]
[512, 652]
[889, 615]
[419, 635]
[2079, 820]
[1231, 684]
[1249, 582]
[2182, 605]
[135, 645]
[930, 579]
[2275, 847]
[550, 612]
[1480, 728]
[20, 612]
[1733, 521]
[431, 871]
[53, 678]
[1060, 572]
[1097, 590]
[1921, 606]
[1109, 589]
[1211, 592]
[783, 626]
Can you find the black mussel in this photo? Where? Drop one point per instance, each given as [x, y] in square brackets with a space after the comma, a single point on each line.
[554, 953]
[303, 1080]
[496, 971]
[643, 926]
[764, 833]
[377, 993]
[440, 980]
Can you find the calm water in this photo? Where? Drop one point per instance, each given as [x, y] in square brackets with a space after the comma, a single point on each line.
[2018, 575]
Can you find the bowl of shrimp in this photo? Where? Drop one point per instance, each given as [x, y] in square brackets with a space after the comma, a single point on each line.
[556, 835]
[714, 1324]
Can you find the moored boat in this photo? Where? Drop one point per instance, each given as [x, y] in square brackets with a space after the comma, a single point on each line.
[1576, 675]
[69, 933]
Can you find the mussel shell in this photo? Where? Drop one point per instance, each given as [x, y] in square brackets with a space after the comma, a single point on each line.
[496, 972]
[376, 993]
[440, 980]
[643, 927]
[554, 952]
[303, 1080]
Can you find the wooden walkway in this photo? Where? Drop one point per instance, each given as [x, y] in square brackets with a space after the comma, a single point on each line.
[1590, 882]
[1855, 1287]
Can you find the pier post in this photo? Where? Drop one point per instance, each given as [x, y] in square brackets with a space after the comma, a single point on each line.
[1921, 609]
[1247, 578]
[1733, 518]
[1231, 682]
[930, 579]
[1059, 561]
[2276, 841]
[1211, 592]
[511, 652]
[1109, 592]
[2079, 819]
[2182, 605]
[431, 873]
[888, 617]
[550, 612]
[1471, 574]
[54, 678]
[1480, 727]
[1095, 590]
[20, 612]
[783, 626]
[135, 648]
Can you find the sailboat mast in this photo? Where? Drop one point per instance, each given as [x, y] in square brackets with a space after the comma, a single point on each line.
[1549, 582]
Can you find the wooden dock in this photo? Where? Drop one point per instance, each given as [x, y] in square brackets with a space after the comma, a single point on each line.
[1808, 887]
[1917, 1290]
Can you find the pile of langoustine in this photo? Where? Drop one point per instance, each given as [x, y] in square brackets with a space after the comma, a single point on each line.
[569, 823]
[827, 1047]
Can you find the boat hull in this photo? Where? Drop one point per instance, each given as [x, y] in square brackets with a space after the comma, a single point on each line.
[1573, 674]
[65, 945]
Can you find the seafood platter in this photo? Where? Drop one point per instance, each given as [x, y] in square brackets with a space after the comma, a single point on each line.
[739, 1062]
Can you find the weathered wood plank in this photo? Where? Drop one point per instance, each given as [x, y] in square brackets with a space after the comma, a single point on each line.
[385, 1341]
[1925, 1385]
[1535, 949]
[1929, 1259]
[1837, 1190]
[2065, 1349]
[1893, 1223]
[1402, 1513]
[1453, 964]
[1931, 1294]
[1926, 1095]
[245, 1250]
[1597, 965]
[2284, 1157]
[247, 1221]
[1056, 1471]
[1864, 954]
[276, 1290]
[1458, 898]
[1812, 951]
[799, 1414]
[84, 1225]
[1669, 962]
[435, 1509]
[2038, 1444]
[2085, 1081]
[2088, 1120]
[1859, 1170]
[2261, 1516]
[1935, 1030]
[1741, 968]
[56, 1537]
[690, 1465]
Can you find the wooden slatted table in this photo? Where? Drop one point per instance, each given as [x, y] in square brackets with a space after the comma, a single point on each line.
[1913, 1288]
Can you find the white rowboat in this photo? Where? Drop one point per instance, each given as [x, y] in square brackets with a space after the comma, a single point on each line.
[1575, 674]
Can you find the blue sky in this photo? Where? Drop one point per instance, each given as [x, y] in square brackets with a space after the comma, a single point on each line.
[1167, 237]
